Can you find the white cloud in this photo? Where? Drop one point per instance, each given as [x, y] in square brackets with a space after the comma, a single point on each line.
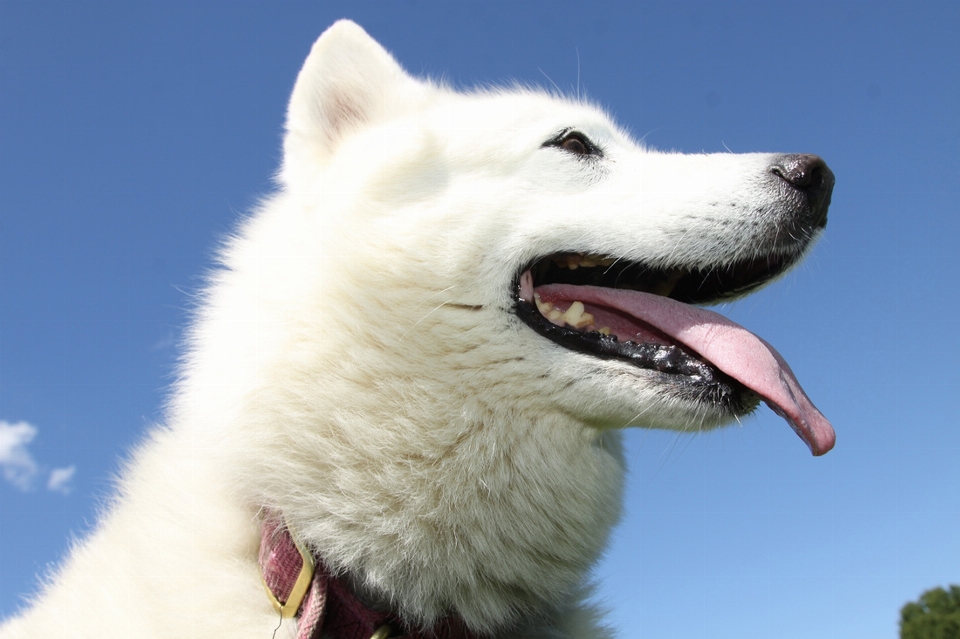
[60, 479]
[18, 465]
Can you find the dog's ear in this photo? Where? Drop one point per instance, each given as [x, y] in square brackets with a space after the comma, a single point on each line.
[348, 80]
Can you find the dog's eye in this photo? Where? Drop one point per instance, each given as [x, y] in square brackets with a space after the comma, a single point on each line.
[576, 143]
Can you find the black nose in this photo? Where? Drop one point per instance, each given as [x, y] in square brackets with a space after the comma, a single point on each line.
[810, 175]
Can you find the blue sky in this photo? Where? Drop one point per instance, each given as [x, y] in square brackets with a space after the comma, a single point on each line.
[133, 135]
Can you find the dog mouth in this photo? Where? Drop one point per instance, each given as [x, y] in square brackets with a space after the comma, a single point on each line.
[616, 309]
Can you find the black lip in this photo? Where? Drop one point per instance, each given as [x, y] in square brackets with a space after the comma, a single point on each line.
[688, 374]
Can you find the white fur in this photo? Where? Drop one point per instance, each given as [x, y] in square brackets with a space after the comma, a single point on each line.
[355, 364]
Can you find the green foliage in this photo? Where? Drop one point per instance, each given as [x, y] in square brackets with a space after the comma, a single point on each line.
[935, 616]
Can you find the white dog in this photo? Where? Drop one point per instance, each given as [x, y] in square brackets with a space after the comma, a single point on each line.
[414, 364]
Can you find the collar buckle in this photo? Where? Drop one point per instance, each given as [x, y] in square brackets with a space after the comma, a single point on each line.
[301, 586]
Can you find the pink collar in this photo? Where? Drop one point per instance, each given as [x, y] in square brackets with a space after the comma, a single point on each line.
[300, 586]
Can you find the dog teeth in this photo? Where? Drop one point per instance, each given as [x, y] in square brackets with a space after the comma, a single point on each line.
[594, 260]
[543, 307]
[575, 315]
[569, 260]
[573, 261]
[555, 315]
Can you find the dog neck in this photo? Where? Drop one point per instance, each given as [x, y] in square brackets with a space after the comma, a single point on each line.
[300, 585]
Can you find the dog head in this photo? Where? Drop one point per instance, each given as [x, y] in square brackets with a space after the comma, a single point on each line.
[519, 205]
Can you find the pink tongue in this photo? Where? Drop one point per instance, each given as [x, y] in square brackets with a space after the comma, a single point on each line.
[725, 344]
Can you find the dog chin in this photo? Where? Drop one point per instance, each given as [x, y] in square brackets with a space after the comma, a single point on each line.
[634, 397]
